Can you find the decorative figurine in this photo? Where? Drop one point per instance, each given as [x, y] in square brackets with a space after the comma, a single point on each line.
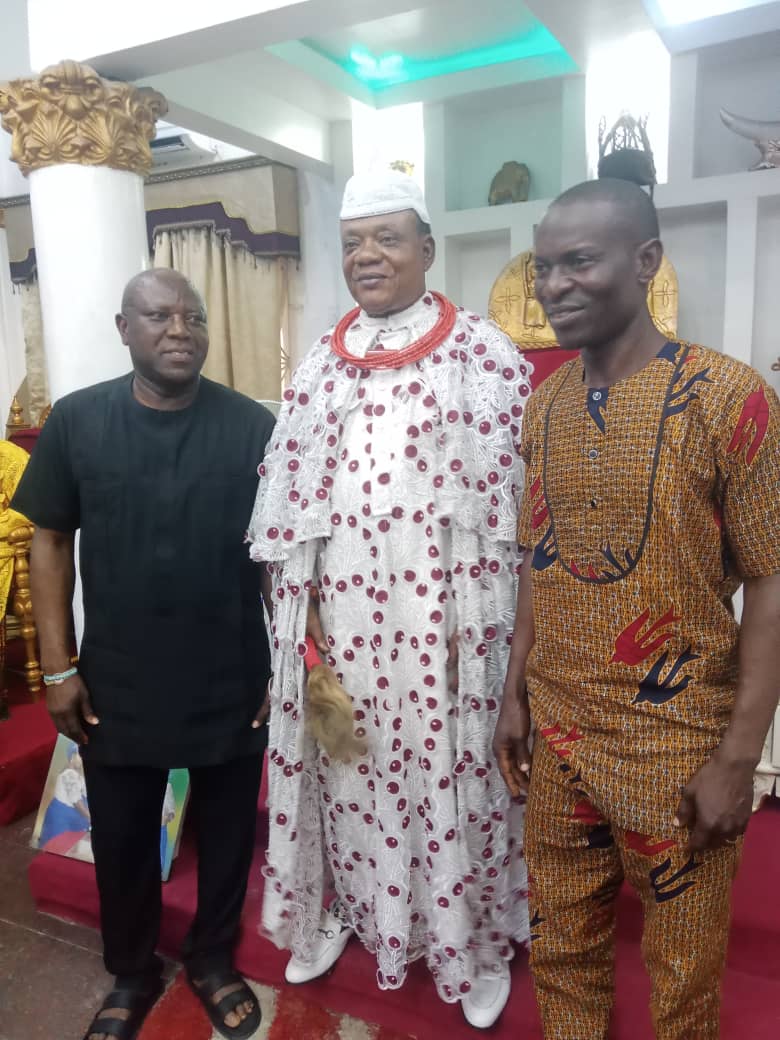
[403, 166]
[764, 135]
[625, 152]
[510, 184]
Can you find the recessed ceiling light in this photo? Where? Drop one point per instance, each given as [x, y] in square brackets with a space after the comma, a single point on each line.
[392, 69]
[681, 12]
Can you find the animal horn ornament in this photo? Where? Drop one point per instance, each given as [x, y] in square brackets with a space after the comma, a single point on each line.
[329, 709]
[765, 135]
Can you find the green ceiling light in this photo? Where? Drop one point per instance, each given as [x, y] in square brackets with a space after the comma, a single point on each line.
[391, 70]
[381, 71]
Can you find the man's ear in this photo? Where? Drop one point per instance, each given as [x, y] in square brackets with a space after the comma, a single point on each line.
[429, 251]
[121, 324]
[649, 256]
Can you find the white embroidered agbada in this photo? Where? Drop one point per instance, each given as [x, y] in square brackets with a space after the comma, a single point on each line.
[396, 492]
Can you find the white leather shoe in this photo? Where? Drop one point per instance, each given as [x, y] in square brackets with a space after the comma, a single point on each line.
[487, 998]
[331, 937]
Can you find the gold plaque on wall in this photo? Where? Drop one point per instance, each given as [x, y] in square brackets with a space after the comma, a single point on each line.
[515, 309]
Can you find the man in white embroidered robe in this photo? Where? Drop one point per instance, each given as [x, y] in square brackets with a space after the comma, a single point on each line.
[393, 488]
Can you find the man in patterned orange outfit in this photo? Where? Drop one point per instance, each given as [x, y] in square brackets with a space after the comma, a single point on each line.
[652, 476]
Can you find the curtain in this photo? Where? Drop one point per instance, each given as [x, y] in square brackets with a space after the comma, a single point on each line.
[32, 389]
[35, 356]
[246, 300]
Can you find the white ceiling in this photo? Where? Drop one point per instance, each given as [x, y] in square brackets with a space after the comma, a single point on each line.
[431, 32]
[287, 65]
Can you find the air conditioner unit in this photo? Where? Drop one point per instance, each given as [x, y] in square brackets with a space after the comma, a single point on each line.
[174, 147]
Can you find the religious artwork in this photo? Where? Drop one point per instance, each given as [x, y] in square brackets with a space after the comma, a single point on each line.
[764, 135]
[510, 184]
[513, 305]
[70, 114]
[63, 822]
[625, 152]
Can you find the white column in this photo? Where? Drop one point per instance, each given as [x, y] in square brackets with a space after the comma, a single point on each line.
[342, 153]
[84, 144]
[12, 367]
[741, 238]
[319, 298]
[441, 275]
[574, 150]
[89, 227]
[682, 117]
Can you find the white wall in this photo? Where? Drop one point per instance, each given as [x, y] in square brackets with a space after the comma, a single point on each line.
[12, 364]
[14, 45]
[473, 264]
[314, 297]
[11, 180]
[766, 329]
[695, 242]
[486, 130]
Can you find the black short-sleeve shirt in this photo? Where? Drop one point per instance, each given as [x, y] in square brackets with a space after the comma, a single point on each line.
[175, 652]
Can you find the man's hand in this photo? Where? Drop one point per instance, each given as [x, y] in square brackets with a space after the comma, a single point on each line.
[314, 628]
[69, 706]
[510, 741]
[717, 803]
[265, 708]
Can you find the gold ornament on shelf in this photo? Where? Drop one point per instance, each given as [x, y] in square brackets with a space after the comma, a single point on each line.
[625, 151]
[16, 420]
[403, 166]
[765, 135]
[70, 114]
[511, 184]
[513, 305]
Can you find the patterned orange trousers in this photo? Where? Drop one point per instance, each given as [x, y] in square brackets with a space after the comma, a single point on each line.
[577, 862]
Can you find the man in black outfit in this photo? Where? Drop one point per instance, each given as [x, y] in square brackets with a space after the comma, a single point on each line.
[158, 471]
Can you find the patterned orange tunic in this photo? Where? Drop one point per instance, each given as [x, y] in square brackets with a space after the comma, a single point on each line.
[646, 504]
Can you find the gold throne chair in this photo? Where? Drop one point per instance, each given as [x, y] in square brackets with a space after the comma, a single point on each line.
[16, 532]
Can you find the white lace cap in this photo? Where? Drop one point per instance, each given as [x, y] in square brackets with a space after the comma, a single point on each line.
[375, 194]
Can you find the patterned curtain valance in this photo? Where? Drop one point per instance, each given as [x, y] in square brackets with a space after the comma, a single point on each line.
[252, 203]
[254, 207]
[235, 230]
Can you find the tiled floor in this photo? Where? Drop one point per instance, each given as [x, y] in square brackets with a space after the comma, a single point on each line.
[51, 973]
[52, 978]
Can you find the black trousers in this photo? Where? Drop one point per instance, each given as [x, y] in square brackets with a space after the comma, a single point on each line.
[125, 803]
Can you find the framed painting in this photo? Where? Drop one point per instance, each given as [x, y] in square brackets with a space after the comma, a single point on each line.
[63, 823]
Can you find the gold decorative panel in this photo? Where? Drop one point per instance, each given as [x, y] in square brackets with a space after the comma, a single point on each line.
[515, 309]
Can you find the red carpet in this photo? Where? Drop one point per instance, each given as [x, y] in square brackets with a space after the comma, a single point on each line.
[286, 1014]
[26, 743]
[751, 1005]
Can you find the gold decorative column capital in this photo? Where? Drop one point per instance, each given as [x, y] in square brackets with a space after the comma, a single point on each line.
[70, 114]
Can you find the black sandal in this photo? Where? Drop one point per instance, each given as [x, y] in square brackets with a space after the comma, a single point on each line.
[139, 1002]
[205, 990]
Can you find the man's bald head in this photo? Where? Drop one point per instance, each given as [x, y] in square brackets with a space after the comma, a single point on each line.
[631, 209]
[140, 283]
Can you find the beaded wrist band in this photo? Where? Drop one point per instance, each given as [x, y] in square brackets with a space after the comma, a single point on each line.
[59, 677]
